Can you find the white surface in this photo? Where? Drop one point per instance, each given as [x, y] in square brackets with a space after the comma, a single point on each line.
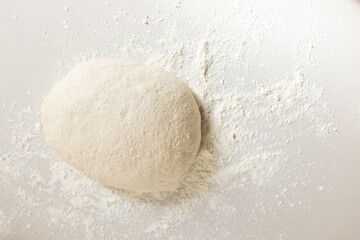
[41, 40]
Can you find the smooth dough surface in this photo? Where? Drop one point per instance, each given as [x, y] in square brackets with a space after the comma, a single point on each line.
[127, 125]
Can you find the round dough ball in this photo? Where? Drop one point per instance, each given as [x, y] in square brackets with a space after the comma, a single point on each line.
[125, 124]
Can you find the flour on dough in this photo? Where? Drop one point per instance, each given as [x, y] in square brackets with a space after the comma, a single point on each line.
[125, 124]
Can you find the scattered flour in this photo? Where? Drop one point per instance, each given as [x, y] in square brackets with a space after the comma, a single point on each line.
[251, 133]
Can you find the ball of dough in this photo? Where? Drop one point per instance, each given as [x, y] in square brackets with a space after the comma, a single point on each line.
[125, 124]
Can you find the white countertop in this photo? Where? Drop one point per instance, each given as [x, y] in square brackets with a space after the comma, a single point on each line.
[41, 40]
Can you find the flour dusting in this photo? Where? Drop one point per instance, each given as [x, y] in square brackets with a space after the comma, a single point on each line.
[252, 129]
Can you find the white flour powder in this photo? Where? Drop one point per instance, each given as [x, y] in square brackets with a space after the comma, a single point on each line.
[252, 131]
